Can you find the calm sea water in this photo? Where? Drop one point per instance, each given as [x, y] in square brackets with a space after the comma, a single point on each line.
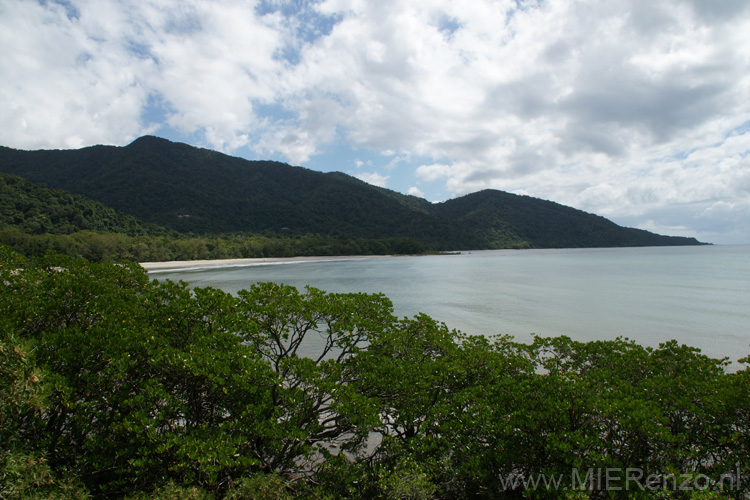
[697, 295]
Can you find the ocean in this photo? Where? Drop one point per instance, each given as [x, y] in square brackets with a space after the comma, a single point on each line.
[698, 295]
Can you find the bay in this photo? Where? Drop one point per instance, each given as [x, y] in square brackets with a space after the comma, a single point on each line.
[698, 295]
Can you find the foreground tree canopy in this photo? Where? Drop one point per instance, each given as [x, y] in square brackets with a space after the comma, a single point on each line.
[114, 386]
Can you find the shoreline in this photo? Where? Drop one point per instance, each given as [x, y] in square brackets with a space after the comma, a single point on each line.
[194, 265]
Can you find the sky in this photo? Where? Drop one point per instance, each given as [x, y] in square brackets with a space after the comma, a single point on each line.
[635, 110]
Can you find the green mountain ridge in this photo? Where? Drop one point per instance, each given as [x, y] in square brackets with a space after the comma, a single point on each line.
[195, 190]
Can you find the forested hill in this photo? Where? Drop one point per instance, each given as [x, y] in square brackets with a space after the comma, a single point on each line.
[201, 191]
[38, 209]
[544, 223]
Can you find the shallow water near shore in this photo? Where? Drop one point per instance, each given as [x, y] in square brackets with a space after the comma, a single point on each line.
[698, 295]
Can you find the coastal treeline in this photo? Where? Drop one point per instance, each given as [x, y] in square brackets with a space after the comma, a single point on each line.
[114, 386]
[113, 247]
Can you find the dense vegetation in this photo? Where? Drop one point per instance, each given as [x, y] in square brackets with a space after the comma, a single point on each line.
[35, 219]
[192, 190]
[544, 224]
[114, 386]
[39, 209]
[150, 248]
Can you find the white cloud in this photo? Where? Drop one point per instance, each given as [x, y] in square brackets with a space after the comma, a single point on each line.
[373, 178]
[83, 73]
[216, 61]
[61, 87]
[415, 191]
[433, 172]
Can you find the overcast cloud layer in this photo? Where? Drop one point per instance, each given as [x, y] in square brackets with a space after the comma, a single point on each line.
[638, 110]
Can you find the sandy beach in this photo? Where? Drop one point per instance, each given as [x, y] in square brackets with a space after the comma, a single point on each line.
[177, 265]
